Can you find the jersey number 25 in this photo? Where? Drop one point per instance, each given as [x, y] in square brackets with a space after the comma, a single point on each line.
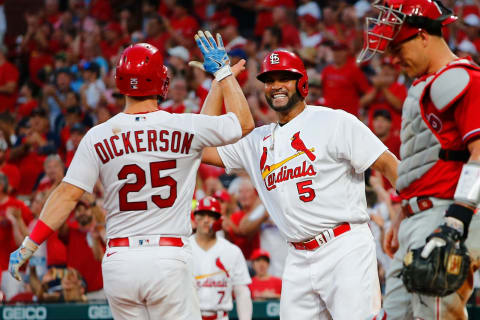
[156, 182]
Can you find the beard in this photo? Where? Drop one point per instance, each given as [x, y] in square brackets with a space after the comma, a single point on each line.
[293, 100]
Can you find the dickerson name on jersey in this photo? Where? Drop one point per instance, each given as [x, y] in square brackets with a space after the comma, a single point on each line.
[149, 140]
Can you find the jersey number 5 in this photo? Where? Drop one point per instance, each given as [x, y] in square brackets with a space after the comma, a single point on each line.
[306, 194]
[156, 181]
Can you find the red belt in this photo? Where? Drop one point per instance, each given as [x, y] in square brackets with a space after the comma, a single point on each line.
[164, 241]
[222, 314]
[424, 203]
[322, 238]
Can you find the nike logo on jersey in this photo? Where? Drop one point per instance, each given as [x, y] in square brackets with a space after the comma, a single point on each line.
[111, 253]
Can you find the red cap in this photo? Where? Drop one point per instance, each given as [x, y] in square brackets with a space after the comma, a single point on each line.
[209, 204]
[222, 195]
[227, 21]
[259, 253]
[114, 26]
[309, 19]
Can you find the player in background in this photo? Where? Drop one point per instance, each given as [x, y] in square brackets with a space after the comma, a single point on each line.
[439, 176]
[308, 169]
[220, 268]
[147, 161]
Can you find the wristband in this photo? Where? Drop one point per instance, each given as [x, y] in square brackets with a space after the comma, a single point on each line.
[222, 73]
[468, 186]
[40, 232]
[461, 213]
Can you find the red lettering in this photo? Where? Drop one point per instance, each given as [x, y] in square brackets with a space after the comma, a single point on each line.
[297, 172]
[102, 154]
[289, 174]
[175, 142]
[108, 148]
[127, 146]
[139, 140]
[163, 140]
[187, 143]
[152, 137]
[114, 147]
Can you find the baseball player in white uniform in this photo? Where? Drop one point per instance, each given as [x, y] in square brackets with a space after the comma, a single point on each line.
[219, 267]
[308, 169]
[147, 161]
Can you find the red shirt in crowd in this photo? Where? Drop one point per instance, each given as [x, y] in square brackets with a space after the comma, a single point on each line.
[246, 244]
[13, 175]
[257, 287]
[31, 166]
[400, 91]
[8, 73]
[80, 257]
[56, 251]
[7, 240]
[343, 86]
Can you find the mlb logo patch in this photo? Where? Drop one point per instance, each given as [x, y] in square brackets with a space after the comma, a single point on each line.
[134, 83]
[274, 58]
[140, 118]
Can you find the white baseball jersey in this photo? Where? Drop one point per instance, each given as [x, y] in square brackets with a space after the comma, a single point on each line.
[309, 173]
[216, 271]
[147, 164]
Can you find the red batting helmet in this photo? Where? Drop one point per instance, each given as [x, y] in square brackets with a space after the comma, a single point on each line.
[209, 204]
[140, 72]
[283, 60]
[400, 20]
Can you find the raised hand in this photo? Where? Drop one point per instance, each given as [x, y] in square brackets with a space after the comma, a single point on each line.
[20, 256]
[215, 58]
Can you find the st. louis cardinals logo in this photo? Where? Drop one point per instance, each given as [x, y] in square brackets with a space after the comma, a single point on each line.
[209, 279]
[274, 58]
[284, 173]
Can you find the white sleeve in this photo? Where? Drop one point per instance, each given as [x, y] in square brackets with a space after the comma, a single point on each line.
[244, 302]
[240, 272]
[234, 155]
[84, 169]
[355, 142]
[213, 131]
[257, 213]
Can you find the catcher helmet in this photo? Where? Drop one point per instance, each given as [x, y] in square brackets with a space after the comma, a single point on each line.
[209, 204]
[140, 72]
[283, 60]
[400, 20]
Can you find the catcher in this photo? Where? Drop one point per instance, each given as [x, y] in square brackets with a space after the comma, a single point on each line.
[439, 176]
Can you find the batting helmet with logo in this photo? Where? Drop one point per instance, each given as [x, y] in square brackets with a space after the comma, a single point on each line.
[284, 60]
[140, 72]
[399, 20]
[209, 205]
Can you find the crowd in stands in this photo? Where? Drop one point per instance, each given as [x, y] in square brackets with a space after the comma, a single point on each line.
[57, 81]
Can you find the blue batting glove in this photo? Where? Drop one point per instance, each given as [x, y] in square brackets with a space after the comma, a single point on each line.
[215, 57]
[20, 256]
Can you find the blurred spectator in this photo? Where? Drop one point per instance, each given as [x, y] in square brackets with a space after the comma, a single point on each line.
[177, 60]
[113, 40]
[9, 169]
[85, 245]
[55, 95]
[58, 285]
[14, 218]
[156, 33]
[181, 25]
[290, 35]
[248, 200]
[26, 101]
[228, 27]
[39, 258]
[8, 82]
[54, 173]
[387, 93]
[343, 83]
[3, 24]
[93, 88]
[264, 286]
[31, 149]
[382, 127]
[310, 35]
[178, 101]
[77, 131]
[258, 222]
[309, 7]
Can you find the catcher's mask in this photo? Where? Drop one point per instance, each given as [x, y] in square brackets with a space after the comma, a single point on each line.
[140, 72]
[284, 60]
[400, 20]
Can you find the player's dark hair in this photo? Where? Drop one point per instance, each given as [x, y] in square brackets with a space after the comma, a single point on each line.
[432, 27]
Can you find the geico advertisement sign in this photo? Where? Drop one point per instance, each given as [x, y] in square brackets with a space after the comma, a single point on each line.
[99, 312]
[24, 313]
[273, 309]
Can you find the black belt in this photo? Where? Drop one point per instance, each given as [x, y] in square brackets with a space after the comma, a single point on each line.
[454, 155]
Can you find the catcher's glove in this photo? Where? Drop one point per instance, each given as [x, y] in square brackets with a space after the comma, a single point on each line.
[443, 270]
